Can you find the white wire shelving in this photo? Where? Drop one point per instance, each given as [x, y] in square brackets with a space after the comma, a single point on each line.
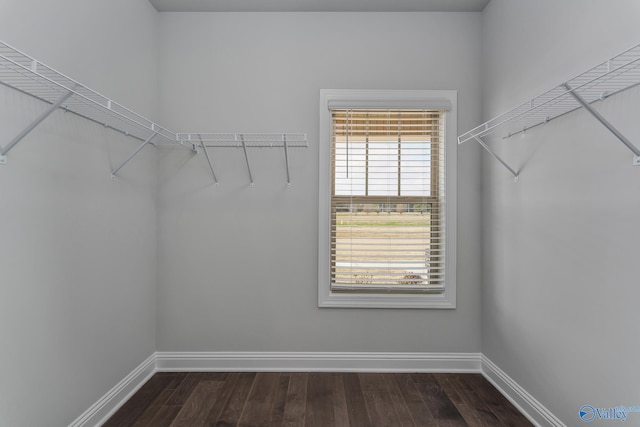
[244, 142]
[27, 75]
[598, 83]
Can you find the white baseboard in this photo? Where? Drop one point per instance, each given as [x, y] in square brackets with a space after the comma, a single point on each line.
[518, 396]
[335, 362]
[100, 411]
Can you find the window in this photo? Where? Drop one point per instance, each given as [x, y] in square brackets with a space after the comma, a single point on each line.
[387, 199]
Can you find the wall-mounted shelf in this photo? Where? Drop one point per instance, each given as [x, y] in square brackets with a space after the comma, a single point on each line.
[27, 75]
[608, 78]
[244, 142]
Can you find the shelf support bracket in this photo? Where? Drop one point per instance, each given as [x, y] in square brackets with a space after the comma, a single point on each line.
[246, 157]
[605, 123]
[33, 125]
[147, 141]
[498, 158]
[206, 154]
[286, 158]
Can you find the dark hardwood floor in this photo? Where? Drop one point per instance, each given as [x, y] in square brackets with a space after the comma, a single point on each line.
[316, 399]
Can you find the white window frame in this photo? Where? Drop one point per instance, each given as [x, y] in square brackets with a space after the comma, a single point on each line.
[392, 99]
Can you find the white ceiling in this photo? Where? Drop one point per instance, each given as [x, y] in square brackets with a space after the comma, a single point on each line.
[319, 5]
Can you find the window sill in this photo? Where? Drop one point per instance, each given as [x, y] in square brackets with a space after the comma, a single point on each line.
[386, 300]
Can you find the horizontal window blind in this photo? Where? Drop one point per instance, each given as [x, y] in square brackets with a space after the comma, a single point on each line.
[387, 200]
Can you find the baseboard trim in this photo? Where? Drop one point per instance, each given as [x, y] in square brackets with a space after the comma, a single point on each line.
[318, 362]
[535, 411]
[99, 412]
[108, 404]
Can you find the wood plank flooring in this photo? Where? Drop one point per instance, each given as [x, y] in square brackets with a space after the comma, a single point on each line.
[250, 399]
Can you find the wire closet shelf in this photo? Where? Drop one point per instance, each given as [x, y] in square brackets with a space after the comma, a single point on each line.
[245, 141]
[598, 83]
[34, 78]
[29, 76]
[257, 140]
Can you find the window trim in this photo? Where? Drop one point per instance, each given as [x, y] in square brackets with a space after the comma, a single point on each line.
[347, 98]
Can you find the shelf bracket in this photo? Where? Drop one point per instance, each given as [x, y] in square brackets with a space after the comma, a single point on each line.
[206, 154]
[246, 157]
[286, 159]
[495, 156]
[147, 141]
[605, 123]
[33, 125]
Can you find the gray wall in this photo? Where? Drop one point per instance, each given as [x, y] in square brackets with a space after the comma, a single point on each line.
[77, 249]
[238, 266]
[560, 253]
